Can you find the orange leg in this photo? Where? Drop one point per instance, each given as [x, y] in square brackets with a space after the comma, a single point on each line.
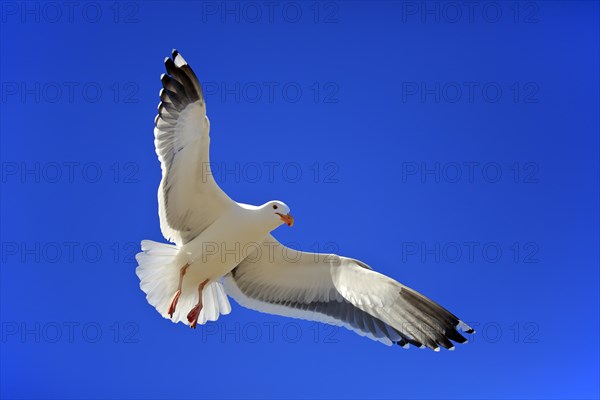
[178, 292]
[195, 312]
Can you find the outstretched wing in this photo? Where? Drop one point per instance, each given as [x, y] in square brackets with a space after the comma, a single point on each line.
[189, 199]
[341, 291]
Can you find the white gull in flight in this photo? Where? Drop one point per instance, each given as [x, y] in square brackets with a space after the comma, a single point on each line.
[189, 282]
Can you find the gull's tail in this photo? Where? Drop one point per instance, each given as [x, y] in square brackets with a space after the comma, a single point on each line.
[158, 271]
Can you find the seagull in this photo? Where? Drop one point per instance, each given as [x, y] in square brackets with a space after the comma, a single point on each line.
[225, 248]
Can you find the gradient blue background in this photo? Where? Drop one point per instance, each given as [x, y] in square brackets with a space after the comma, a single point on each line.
[547, 311]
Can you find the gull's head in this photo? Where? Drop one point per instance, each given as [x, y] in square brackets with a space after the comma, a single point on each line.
[278, 213]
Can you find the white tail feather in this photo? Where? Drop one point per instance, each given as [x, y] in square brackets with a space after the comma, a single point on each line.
[159, 277]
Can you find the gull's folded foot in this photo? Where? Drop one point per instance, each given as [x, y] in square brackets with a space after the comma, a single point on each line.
[175, 299]
[174, 302]
[193, 315]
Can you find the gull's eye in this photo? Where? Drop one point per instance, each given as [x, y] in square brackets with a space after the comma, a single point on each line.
[274, 206]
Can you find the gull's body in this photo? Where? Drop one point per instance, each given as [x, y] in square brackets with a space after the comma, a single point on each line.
[220, 241]
[218, 249]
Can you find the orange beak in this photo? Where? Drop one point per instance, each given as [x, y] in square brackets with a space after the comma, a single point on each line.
[287, 218]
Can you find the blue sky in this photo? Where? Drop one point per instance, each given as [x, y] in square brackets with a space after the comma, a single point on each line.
[457, 144]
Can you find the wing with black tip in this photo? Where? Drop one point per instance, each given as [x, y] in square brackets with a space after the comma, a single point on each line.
[344, 292]
[189, 199]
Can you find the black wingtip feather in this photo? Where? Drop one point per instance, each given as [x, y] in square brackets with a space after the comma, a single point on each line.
[444, 342]
[186, 77]
[453, 335]
[174, 86]
[470, 330]
[170, 66]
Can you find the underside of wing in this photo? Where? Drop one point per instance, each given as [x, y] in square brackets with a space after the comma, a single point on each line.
[344, 292]
[189, 199]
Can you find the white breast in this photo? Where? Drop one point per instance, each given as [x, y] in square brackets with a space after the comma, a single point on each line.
[221, 246]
